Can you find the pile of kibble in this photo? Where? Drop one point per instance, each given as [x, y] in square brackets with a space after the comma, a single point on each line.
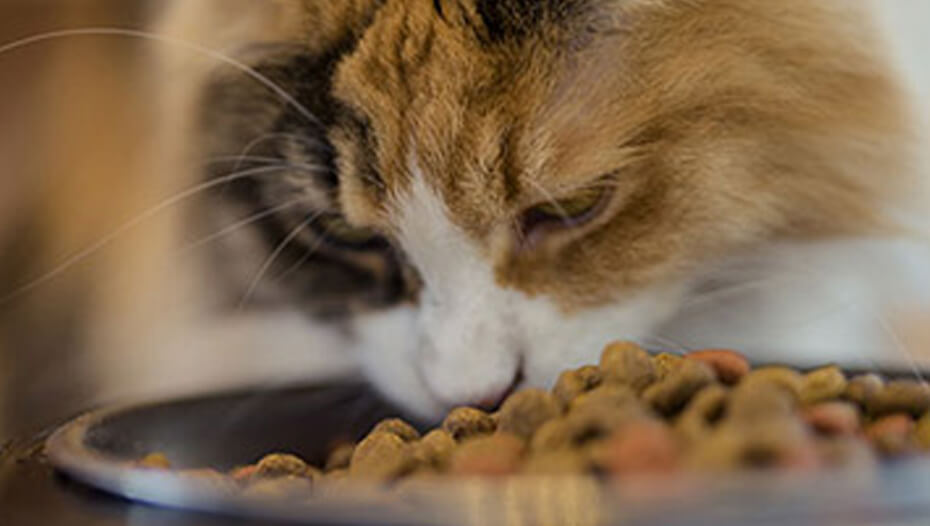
[636, 413]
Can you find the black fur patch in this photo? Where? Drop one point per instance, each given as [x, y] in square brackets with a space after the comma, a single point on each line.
[507, 20]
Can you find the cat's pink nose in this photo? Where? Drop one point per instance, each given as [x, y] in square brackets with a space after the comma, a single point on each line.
[493, 401]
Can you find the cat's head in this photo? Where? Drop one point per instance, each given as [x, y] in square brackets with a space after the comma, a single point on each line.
[544, 176]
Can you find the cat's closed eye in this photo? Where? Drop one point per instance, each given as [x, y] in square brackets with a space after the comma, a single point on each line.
[576, 210]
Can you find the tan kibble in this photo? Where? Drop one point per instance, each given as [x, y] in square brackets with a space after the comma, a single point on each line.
[900, 396]
[780, 442]
[340, 458]
[730, 366]
[922, 432]
[494, 455]
[277, 488]
[572, 384]
[154, 461]
[783, 377]
[524, 412]
[628, 364]
[586, 425]
[861, 389]
[435, 449]
[283, 465]
[823, 384]
[398, 427]
[467, 422]
[705, 408]
[380, 457]
[892, 435]
[609, 395]
[666, 363]
[668, 396]
[846, 452]
[759, 400]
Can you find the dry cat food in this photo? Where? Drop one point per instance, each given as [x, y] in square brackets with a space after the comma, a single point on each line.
[634, 413]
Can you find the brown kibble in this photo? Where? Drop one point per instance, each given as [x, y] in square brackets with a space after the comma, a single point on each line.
[282, 465]
[824, 384]
[671, 394]
[628, 364]
[154, 461]
[340, 458]
[759, 401]
[435, 449]
[648, 446]
[608, 395]
[704, 409]
[468, 422]
[833, 418]
[730, 366]
[900, 396]
[524, 412]
[381, 457]
[560, 462]
[783, 377]
[495, 455]
[398, 427]
[666, 363]
[777, 442]
[922, 432]
[572, 384]
[892, 434]
[863, 388]
[588, 424]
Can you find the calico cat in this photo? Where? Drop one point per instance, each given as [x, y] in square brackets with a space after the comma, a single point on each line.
[475, 194]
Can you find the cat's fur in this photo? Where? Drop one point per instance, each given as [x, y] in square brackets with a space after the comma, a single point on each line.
[759, 155]
[743, 142]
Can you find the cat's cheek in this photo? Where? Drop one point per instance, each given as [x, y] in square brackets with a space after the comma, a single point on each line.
[386, 345]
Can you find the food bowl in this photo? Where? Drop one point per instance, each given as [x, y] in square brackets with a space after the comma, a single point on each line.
[225, 430]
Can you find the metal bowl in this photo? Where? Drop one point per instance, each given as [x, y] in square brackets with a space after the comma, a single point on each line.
[224, 431]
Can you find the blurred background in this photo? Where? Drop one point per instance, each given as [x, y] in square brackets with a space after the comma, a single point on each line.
[75, 116]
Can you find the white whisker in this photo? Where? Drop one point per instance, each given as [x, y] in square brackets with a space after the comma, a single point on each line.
[111, 237]
[240, 224]
[154, 37]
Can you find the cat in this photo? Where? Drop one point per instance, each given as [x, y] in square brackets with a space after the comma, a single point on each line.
[465, 197]
[483, 193]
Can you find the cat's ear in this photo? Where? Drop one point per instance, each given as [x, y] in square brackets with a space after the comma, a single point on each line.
[501, 21]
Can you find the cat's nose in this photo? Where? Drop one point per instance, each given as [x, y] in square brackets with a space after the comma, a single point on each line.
[494, 400]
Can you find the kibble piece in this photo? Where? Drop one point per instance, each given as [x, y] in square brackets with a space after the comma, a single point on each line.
[467, 422]
[281, 465]
[628, 364]
[861, 389]
[759, 401]
[666, 363]
[730, 366]
[571, 384]
[823, 384]
[495, 455]
[671, 394]
[524, 412]
[846, 452]
[704, 409]
[778, 442]
[339, 458]
[155, 461]
[833, 418]
[559, 462]
[244, 473]
[900, 396]
[922, 432]
[400, 428]
[892, 435]
[588, 424]
[381, 457]
[648, 446]
[609, 395]
[783, 377]
[435, 449]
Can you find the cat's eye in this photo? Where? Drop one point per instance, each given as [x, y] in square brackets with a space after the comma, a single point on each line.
[335, 228]
[572, 211]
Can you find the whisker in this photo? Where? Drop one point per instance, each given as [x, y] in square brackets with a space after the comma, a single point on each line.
[108, 239]
[254, 218]
[163, 39]
[269, 261]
